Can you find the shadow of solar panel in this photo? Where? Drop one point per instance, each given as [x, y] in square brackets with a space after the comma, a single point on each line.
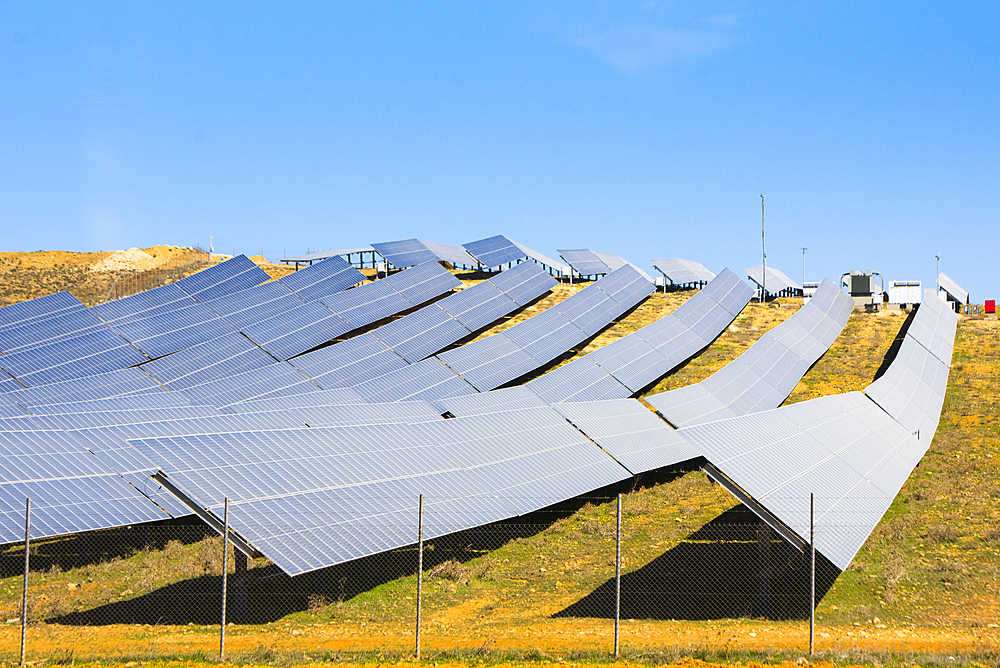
[40, 308]
[428, 380]
[490, 362]
[70, 490]
[294, 332]
[166, 333]
[367, 303]
[421, 333]
[404, 253]
[580, 379]
[334, 397]
[225, 356]
[349, 362]
[232, 275]
[250, 385]
[322, 279]
[524, 283]
[478, 306]
[39, 334]
[630, 433]
[253, 305]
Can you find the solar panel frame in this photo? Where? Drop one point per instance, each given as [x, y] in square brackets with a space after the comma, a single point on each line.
[405, 252]
[683, 272]
[583, 261]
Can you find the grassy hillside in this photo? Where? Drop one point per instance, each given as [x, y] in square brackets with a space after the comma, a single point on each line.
[924, 587]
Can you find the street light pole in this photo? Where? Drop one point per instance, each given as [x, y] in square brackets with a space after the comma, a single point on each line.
[937, 276]
[804, 249]
[763, 256]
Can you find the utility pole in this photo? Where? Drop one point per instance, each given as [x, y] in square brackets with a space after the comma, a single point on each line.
[763, 256]
[937, 276]
[804, 249]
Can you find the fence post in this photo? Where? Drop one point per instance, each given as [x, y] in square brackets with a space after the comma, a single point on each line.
[24, 591]
[618, 574]
[812, 576]
[420, 566]
[225, 571]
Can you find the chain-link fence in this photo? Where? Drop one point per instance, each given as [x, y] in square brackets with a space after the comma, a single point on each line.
[580, 580]
[126, 283]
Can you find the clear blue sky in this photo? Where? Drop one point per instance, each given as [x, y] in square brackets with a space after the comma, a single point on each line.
[645, 129]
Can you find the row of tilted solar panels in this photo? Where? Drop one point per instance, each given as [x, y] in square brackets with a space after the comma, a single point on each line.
[514, 418]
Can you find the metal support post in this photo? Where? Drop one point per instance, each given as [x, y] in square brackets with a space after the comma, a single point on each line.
[225, 571]
[24, 590]
[420, 567]
[618, 574]
[812, 577]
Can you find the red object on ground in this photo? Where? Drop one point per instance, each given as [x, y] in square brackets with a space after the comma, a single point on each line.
[991, 306]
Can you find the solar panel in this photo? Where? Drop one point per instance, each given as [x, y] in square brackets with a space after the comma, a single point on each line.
[405, 253]
[292, 333]
[490, 362]
[8, 384]
[524, 283]
[957, 292]
[500, 250]
[252, 384]
[39, 308]
[161, 400]
[41, 333]
[8, 410]
[246, 307]
[683, 272]
[545, 336]
[69, 490]
[590, 309]
[495, 401]
[160, 299]
[354, 489]
[630, 359]
[235, 274]
[86, 355]
[421, 333]
[763, 376]
[626, 285]
[349, 362]
[478, 306]
[367, 303]
[403, 412]
[180, 328]
[322, 279]
[100, 386]
[452, 254]
[629, 432]
[934, 327]
[107, 418]
[584, 262]
[336, 396]
[423, 282]
[776, 280]
[225, 356]
[581, 379]
[428, 380]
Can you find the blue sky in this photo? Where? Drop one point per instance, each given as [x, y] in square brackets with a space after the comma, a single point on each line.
[645, 129]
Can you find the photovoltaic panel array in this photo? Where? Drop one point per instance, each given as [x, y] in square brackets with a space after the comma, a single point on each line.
[40, 308]
[245, 308]
[683, 272]
[633, 362]
[957, 292]
[584, 262]
[776, 281]
[235, 274]
[93, 353]
[70, 490]
[408, 252]
[499, 250]
[764, 375]
[852, 452]
[322, 279]
[312, 498]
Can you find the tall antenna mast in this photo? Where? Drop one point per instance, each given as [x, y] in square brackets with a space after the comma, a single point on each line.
[763, 256]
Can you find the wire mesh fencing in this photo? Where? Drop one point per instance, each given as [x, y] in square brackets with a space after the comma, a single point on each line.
[564, 582]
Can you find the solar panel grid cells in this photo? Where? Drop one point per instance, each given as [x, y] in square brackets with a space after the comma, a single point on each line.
[545, 336]
[89, 356]
[143, 304]
[423, 282]
[496, 401]
[633, 362]
[251, 385]
[235, 274]
[428, 380]
[524, 283]
[490, 362]
[318, 398]
[39, 308]
[494, 251]
[421, 333]
[349, 362]
[361, 414]
[175, 330]
[296, 331]
[245, 308]
[581, 379]
[322, 279]
[404, 253]
[453, 254]
[44, 333]
[478, 306]
[590, 309]
[225, 356]
[584, 262]
[367, 303]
